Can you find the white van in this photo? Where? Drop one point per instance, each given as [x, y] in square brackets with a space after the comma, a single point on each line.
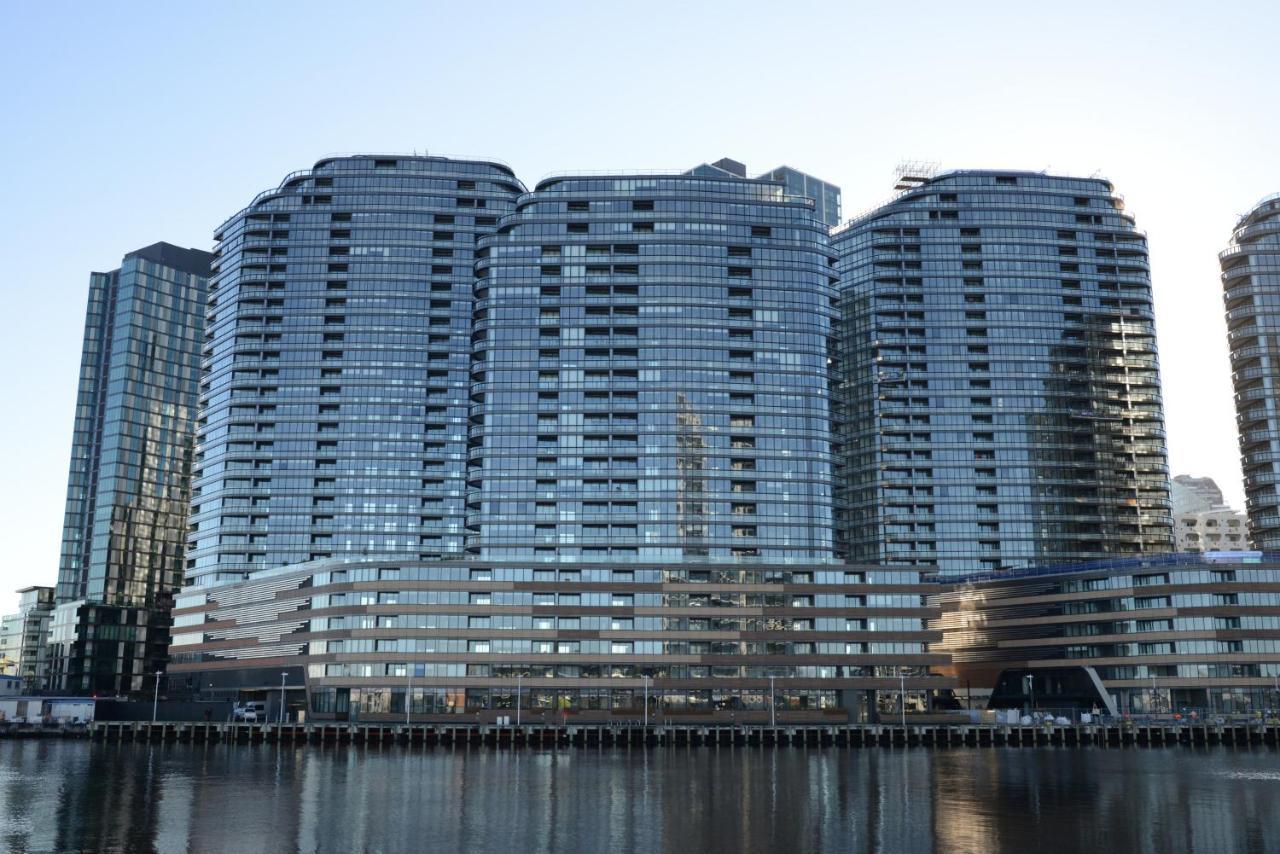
[253, 713]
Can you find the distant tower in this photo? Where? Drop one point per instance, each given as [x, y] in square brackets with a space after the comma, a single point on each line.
[125, 529]
[1251, 289]
[125, 525]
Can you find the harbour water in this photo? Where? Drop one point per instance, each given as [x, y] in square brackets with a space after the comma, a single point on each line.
[76, 796]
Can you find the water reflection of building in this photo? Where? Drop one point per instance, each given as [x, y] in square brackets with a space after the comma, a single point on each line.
[1089, 800]
[1166, 632]
[61, 796]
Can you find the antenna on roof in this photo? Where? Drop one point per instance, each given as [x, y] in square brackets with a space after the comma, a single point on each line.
[913, 173]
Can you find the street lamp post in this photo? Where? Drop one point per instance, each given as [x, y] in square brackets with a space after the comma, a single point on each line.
[155, 702]
[773, 705]
[646, 704]
[902, 696]
[408, 693]
[283, 677]
[1155, 695]
[519, 679]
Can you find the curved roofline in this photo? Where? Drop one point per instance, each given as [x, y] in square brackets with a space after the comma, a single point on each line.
[299, 174]
[385, 155]
[1040, 173]
[553, 178]
[1266, 203]
[867, 213]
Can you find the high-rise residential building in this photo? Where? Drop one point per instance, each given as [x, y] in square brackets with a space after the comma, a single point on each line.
[1250, 282]
[1193, 494]
[999, 397]
[336, 390]
[125, 529]
[604, 403]
[128, 491]
[650, 374]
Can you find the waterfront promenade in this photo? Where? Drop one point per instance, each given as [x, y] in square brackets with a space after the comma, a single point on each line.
[1153, 733]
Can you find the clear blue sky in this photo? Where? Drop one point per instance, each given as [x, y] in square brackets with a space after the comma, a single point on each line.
[128, 123]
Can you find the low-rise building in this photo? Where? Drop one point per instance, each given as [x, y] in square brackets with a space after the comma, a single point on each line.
[1161, 633]
[1202, 521]
[696, 642]
[24, 638]
[10, 643]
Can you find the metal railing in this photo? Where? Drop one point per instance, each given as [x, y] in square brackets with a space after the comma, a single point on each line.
[1152, 561]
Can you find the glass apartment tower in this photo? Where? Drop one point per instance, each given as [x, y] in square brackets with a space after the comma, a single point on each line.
[128, 490]
[335, 394]
[124, 533]
[505, 442]
[650, 374]
[999, 390]
[1251, 289]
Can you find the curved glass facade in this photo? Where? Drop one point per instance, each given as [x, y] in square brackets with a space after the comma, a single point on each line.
[650, 374]
[711, 641]
[1163, 633]
[124, 531]
[1251, 289]
[1000, 393]
[334, 398]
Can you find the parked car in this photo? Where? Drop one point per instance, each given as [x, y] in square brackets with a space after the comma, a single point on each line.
[249, 712]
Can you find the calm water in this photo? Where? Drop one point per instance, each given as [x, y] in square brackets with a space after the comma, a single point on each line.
[76, 796]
